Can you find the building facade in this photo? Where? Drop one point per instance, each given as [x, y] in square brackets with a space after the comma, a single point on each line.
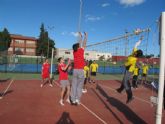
[22, 45]
[89, 55]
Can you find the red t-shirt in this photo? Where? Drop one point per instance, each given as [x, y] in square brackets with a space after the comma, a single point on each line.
[45, 70]
[63, 75]
[79, 62]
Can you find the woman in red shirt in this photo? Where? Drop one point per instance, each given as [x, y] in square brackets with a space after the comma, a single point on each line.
[78, 70]
[63, 78]
[45, 73]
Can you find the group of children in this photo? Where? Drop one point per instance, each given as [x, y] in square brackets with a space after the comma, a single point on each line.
[144, 67]
[82, 73]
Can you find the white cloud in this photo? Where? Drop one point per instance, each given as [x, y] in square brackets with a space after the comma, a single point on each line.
[93, 18]
[64, 33]
[105, 5]
[131, 2]
[75, 34]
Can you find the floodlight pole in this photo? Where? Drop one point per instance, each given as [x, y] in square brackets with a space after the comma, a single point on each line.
[161, 71]
[49, 28]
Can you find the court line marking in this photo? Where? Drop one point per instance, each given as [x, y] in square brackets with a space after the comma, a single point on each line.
[140, 99]
[7, 88]
[90, 111]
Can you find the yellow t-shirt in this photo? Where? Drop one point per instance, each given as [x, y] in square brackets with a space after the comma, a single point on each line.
[131, 62]
[145, 69]
[86, 71]
[93, 67]
[136, 71]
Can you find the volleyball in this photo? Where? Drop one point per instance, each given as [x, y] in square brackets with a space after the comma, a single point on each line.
[137, 31]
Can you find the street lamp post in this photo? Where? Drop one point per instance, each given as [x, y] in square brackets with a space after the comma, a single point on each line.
[49, 28]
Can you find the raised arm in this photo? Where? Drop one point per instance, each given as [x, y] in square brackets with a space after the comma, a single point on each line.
[85, 40]
[66, 67]
[80, 38]
[138, 42]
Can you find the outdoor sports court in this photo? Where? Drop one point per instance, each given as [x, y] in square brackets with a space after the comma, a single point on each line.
[24, 102]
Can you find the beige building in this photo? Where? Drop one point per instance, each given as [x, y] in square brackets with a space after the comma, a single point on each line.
[22, 45]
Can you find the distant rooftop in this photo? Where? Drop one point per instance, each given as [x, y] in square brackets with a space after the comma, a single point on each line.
[22, 37]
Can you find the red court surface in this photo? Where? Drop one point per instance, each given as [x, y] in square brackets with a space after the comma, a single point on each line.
[25, 102]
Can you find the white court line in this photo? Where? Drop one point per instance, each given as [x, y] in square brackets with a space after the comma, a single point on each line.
[93, 114]
[90, 111]
[7, 88]
[140, 99]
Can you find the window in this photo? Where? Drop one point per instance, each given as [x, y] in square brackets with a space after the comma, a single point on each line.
[87, 54]
[19, 49]
[19, 41]
[67, 52]
[30, 42]
[30, 50]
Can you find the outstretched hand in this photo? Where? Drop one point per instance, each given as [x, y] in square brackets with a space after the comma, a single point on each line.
[85, 33]
[80, 34]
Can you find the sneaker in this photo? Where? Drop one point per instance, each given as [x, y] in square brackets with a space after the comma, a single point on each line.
[68, 101]
[77, 101]
[61, 102]
[129, 100]
[50, 85]
[84, 90]
[72, 102]
[118, 90]
[41, 85]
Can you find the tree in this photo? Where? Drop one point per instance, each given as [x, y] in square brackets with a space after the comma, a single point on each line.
[5, 40]
[44, 43]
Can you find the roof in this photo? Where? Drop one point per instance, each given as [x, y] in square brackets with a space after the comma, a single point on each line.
[16, 36]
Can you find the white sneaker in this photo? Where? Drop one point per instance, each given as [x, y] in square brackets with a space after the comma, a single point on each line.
[61, 102]
[68, 101]
[41, 85]
[84, 90]
[77, 101]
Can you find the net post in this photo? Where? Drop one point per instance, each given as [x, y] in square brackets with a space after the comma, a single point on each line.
[162, 69]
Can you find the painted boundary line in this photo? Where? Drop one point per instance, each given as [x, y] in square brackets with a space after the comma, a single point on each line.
[140, 99]
[90, 111]
[7, 88]
[93, 113]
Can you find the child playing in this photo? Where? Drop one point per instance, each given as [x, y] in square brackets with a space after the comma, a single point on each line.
[145, 72]
[93, 71]
[135, 76]
[129, 68]
[45, 73]
[86, 75]
[63, 78]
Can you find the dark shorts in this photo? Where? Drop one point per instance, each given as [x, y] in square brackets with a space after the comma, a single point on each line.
[93, 73]
[144, 75]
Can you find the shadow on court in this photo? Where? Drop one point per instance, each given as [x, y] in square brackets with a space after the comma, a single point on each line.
[65, 119]
[4, 94]
[4, 80]
[127, 112]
